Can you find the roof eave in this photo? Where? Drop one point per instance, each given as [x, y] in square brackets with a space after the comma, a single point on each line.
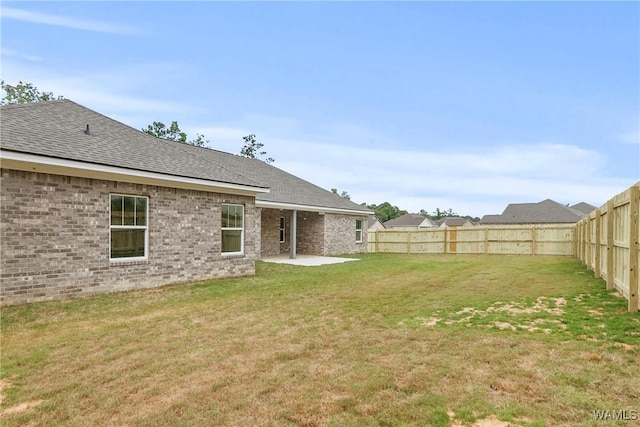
[58, 166]
[310, 208]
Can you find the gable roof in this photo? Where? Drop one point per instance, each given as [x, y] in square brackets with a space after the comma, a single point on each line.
[51, 137]
[544, 212]
[408, 220]
[453, 221]
[373, 221]
[583, 207]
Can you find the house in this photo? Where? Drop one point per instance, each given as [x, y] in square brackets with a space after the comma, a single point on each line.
[90, 205]
[583, 207]
[453, 221]
[374, 224]
[409, 222]
[544, 212]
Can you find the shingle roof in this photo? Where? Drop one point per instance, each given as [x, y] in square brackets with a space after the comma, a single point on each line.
[285, 187]
[544, 212]
[583, 207]
[453, 221]
[406, 220]
[57, 129]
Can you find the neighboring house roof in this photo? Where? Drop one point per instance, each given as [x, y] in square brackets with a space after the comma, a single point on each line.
[583, 207]
[54, 134]
[408, 220]
[374, 223]
[544, 212]
[454, 222]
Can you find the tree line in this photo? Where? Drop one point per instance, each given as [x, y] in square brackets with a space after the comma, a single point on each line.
[386, 211]
[24, 93]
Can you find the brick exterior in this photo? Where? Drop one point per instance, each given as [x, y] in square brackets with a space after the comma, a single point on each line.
[327, 234]
[340, 235]
[55, 237]
[270, 232]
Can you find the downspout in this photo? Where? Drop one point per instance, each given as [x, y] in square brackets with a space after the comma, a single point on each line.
[292, 234]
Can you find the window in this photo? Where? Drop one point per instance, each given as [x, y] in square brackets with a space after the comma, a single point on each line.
[358, 230]
[282, 230]
[129, 227]
[232, 229]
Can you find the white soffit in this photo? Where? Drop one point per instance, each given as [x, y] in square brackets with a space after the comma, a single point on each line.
[56, 166]
[309, 208]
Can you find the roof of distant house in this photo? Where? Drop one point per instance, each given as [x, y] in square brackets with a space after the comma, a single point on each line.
[453, 221]
[408, 220]
[583, 207]
[544, 212]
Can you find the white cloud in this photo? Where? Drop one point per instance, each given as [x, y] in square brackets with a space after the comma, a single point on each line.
[76, 23]
[631, 137]
[20, 55]
[474, 182]
[113, 92]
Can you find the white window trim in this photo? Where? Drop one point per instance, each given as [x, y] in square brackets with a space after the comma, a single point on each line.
[360, 230]
[241, 229]
[283, 230]
[130, 227]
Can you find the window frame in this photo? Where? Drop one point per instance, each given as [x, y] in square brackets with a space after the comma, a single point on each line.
[283, 229]
[359, 231]
[129, 227]
[223, 229]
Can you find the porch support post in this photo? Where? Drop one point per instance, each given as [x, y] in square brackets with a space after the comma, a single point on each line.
[292, 234]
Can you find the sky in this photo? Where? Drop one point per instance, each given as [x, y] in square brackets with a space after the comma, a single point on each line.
[466, 106]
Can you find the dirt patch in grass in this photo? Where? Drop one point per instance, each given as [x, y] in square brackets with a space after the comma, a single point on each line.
[575, 318]
[15, 409]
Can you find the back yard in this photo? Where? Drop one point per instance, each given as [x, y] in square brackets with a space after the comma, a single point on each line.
[388, 340]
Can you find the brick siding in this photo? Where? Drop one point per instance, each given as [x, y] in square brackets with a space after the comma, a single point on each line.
[340, 235]
[55, 237]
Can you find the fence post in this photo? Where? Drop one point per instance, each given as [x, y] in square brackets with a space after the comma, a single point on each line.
[486, 240]
[596, 267]
[409, 242]
[588, 243]
[533, 240]
[634, 278]
[610, 250]
[445, 241]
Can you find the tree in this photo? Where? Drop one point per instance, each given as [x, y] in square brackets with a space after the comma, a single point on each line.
[24, 93]
[344, 194]
[386, 211]
[173, 133]
[251, 149]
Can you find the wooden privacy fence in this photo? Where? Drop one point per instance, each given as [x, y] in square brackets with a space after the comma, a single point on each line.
[607, 243]
[548, 239]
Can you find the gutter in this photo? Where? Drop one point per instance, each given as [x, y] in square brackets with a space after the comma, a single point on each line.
[57, 166]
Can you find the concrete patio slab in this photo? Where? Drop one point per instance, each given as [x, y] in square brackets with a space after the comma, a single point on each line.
[307, 260]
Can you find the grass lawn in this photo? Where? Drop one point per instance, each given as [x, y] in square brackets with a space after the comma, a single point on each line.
[391, 340]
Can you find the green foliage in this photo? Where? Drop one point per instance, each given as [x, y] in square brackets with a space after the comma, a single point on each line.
[173, 133]
[24, 93]
[386, 211]
[251, 149]
[344, 194]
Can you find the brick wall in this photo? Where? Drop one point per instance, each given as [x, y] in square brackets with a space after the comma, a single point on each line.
[54, 237]
[310, 233]
[340, 235]
[270, 232]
